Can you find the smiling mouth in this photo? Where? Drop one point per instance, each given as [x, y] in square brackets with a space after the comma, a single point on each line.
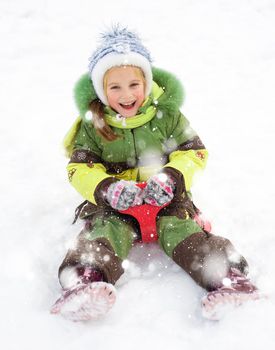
[128, 105]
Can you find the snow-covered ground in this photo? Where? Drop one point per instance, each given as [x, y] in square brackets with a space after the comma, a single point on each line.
[224, 53]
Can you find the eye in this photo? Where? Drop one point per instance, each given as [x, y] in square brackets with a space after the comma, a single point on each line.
[134, 84]
[114, 87]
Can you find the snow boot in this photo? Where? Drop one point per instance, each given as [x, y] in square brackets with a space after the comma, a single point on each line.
[236, 290]
[89, 299]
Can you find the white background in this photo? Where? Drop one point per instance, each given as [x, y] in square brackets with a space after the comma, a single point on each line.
[223, 52]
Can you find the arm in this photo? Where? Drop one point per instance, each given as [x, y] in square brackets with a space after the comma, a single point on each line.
[187, 154]
[86, 172]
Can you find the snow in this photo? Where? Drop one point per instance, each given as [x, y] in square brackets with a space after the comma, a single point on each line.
[223, 52]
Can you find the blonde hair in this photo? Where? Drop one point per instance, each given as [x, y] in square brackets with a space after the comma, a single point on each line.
[97, 108]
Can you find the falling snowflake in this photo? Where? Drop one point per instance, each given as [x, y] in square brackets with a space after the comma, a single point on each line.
[106, 257]
[159, 114]
[125, 264]
[88, 116]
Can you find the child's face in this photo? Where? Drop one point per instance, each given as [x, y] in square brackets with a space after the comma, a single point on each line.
[125, 90]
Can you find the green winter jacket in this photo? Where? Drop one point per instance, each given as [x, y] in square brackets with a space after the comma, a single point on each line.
[159, 138]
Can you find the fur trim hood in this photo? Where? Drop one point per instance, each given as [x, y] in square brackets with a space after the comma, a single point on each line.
[169, 102]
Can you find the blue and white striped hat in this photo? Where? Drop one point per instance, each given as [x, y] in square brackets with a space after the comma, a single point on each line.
[119, 47]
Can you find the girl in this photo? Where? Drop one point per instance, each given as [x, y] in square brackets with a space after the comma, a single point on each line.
[130, 130]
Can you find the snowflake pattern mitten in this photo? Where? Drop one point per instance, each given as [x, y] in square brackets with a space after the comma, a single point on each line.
[159, 189]
[124, 194]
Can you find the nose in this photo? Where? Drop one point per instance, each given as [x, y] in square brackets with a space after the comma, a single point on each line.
[126, 94]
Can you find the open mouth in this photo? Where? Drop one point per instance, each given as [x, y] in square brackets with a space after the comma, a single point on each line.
[128, 105]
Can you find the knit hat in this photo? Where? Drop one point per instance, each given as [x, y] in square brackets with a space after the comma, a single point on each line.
[119, 47]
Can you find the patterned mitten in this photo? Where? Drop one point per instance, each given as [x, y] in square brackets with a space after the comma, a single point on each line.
[159, 190]
[124, 194]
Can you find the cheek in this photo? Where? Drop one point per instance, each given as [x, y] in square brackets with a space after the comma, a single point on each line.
[139, 92]
[140, 95]
[112, 99]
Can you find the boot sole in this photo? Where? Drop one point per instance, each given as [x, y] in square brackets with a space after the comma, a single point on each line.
[86, 302]
[215, 306]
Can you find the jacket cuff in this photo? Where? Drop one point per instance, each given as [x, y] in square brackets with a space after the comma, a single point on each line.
[101, 191]
[178, 178]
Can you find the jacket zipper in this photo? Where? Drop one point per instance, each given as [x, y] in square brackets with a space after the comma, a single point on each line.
[134, 141]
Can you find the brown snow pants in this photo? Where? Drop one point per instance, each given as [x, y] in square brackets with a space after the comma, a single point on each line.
[106, 241]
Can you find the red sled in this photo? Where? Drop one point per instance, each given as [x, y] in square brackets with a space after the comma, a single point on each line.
[146, 215]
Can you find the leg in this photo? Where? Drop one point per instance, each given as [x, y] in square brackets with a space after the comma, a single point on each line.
[101, 245]
[90, 269]
[208, 259]
[205, 257]
[212, 262]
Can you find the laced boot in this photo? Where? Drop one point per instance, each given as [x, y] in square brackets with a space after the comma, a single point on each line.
[89, 299]
[236, 290]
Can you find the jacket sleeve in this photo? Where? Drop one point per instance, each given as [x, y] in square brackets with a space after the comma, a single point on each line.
[85, 170]
[187, 154]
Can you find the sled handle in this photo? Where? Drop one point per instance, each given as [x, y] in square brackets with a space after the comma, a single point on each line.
[146, 215]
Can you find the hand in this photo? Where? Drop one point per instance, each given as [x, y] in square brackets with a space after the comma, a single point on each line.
[159, 189]
[124, 194]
